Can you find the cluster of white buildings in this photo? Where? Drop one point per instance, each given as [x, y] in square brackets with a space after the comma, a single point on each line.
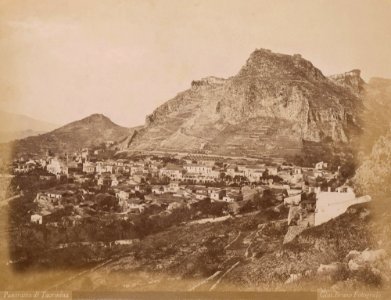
[320, 206]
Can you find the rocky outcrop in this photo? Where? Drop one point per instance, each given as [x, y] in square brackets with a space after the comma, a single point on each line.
[351, 80]
[294, 231]
[359, 260]
[270, 107]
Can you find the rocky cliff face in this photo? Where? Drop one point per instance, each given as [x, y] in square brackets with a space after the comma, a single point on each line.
[270, 107]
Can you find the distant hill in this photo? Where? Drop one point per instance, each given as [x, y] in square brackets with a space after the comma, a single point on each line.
[88, 132]
[15, 126]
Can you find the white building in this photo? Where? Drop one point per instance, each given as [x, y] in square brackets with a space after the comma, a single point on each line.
[36, 218]
[122, 195]
[172, 171]
[253, 173]
[320, 165]
[198, 169]
[292, 200]
[330, 205]
[217, 194]
[173, 187]
[104, 167]
[272, 170]
[89, 167]
[57, 167]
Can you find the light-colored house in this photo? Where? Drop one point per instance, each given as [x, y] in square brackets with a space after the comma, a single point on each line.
[36, 218]
[114, 181]
[272, 170]
[123, 194]
[293, 200]
[297, 170]
[217, 194]
[232, 197]
[201, 193]
[104, 167]
[172, 187]
[254, 173]
[292, 192]
[89, 167]
[198, 169]
[174, 172]
[57, 167]
[320, 165]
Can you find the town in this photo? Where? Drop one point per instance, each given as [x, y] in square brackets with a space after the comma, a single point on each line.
[96, 182]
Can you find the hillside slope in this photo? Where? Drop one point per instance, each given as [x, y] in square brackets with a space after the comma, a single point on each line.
[90, 131]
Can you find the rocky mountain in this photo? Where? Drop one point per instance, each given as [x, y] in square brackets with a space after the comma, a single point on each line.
[273, 106]
[88, 132]
[15, 126]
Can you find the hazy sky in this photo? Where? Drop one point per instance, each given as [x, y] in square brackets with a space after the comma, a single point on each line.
[64, 60]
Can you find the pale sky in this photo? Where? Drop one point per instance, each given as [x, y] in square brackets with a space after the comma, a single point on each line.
[64, 60]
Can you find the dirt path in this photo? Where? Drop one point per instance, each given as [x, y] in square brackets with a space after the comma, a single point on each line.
[5, 201]
[205, 281]
[222, 276]
[234, 240]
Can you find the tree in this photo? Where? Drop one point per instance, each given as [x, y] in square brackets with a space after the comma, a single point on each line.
[222, 176]
[266, 199]
[347, 170]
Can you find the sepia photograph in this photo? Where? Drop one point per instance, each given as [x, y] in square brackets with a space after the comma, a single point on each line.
[195, 149]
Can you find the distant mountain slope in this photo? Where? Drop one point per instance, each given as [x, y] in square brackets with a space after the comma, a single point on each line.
[271, 107]
[90, 131]
[376, 116]
[374, 175]
[15, 126]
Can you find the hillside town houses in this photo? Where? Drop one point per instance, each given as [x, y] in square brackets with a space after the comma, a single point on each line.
[83, 181]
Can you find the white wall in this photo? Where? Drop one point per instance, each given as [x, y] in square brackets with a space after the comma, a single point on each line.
[330, 205]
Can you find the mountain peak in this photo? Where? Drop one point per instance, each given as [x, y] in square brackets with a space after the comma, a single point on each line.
[97, 117]
[264, 63]
[97, 121]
